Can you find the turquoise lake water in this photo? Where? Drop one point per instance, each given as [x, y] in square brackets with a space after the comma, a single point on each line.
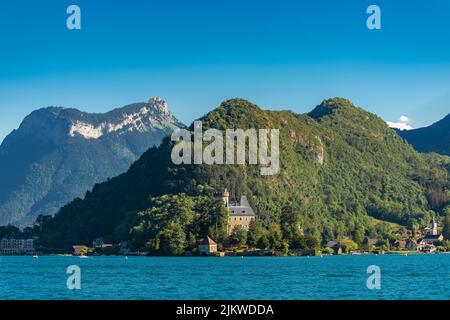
[328, 277]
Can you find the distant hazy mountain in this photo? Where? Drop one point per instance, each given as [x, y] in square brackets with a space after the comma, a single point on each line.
[57, 154]
[435, 138]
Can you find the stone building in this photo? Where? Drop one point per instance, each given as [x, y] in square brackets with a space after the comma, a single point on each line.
[207, 247]
[239, 214]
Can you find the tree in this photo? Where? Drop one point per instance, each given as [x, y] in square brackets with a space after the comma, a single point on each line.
[437, 198]
[348, 245]
[290, 222]
[172, 240]
[446, 229]
[383, 230]
[366, 245]
[213, 217]
[10, 231]
[414, 227]
[275, 236]
[238, 237]
[340, 229]
[328, 233]
[358, 236]
[312, 242]
[174, 223]
[254, 233]
[263, 242]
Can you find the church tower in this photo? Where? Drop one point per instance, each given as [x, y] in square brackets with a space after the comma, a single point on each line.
[434, 227]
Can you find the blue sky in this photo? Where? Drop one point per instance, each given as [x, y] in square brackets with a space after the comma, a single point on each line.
[279, 54]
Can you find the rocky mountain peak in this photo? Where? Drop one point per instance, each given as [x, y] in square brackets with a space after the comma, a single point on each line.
[160, 104]
[56, 122]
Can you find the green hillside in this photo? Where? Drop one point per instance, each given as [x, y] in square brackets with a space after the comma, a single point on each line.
[340, 166]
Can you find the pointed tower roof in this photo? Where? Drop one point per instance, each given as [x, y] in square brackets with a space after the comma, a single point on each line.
[207, 241]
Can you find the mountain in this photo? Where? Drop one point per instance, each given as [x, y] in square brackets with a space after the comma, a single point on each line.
[435, 138]
[58, 154]
[342, 170]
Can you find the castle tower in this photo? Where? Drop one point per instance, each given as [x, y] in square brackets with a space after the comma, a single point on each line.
[226, 198]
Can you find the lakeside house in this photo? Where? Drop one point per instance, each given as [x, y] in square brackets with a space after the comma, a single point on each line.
[433, 239]
[79, 250]
[17, 246]
[401, 244]
[207, 247]
[239, 214]
[420, 246]
[335, 246]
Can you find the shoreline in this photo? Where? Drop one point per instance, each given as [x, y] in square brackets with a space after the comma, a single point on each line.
[232, 256]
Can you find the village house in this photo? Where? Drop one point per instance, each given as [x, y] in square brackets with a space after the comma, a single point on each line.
[16, 246]
[420, 246]
[207, 247]
[79, 250]
[427, 248]
[411, 244]
[335, 246]
[432, 239]
[239, 214]
[401, 244]
[427, 243]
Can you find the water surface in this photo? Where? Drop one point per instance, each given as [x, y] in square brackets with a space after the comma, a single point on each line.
[328, 277]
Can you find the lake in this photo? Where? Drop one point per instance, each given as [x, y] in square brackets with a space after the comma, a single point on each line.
[328, 277]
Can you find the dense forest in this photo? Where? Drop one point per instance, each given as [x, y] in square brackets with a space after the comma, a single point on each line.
[344, 174]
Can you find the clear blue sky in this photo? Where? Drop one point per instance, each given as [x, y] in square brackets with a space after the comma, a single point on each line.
[276, 53]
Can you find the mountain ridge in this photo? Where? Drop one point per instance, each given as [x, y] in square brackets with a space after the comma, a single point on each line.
[434, 138]
[53, 143]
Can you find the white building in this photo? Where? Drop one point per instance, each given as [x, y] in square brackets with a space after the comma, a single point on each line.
[16, 246]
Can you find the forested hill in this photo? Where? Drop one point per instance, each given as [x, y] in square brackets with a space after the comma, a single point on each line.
[434, 138]
[340, 167]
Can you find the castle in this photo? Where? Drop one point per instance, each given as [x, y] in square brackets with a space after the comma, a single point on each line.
[239, 214]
